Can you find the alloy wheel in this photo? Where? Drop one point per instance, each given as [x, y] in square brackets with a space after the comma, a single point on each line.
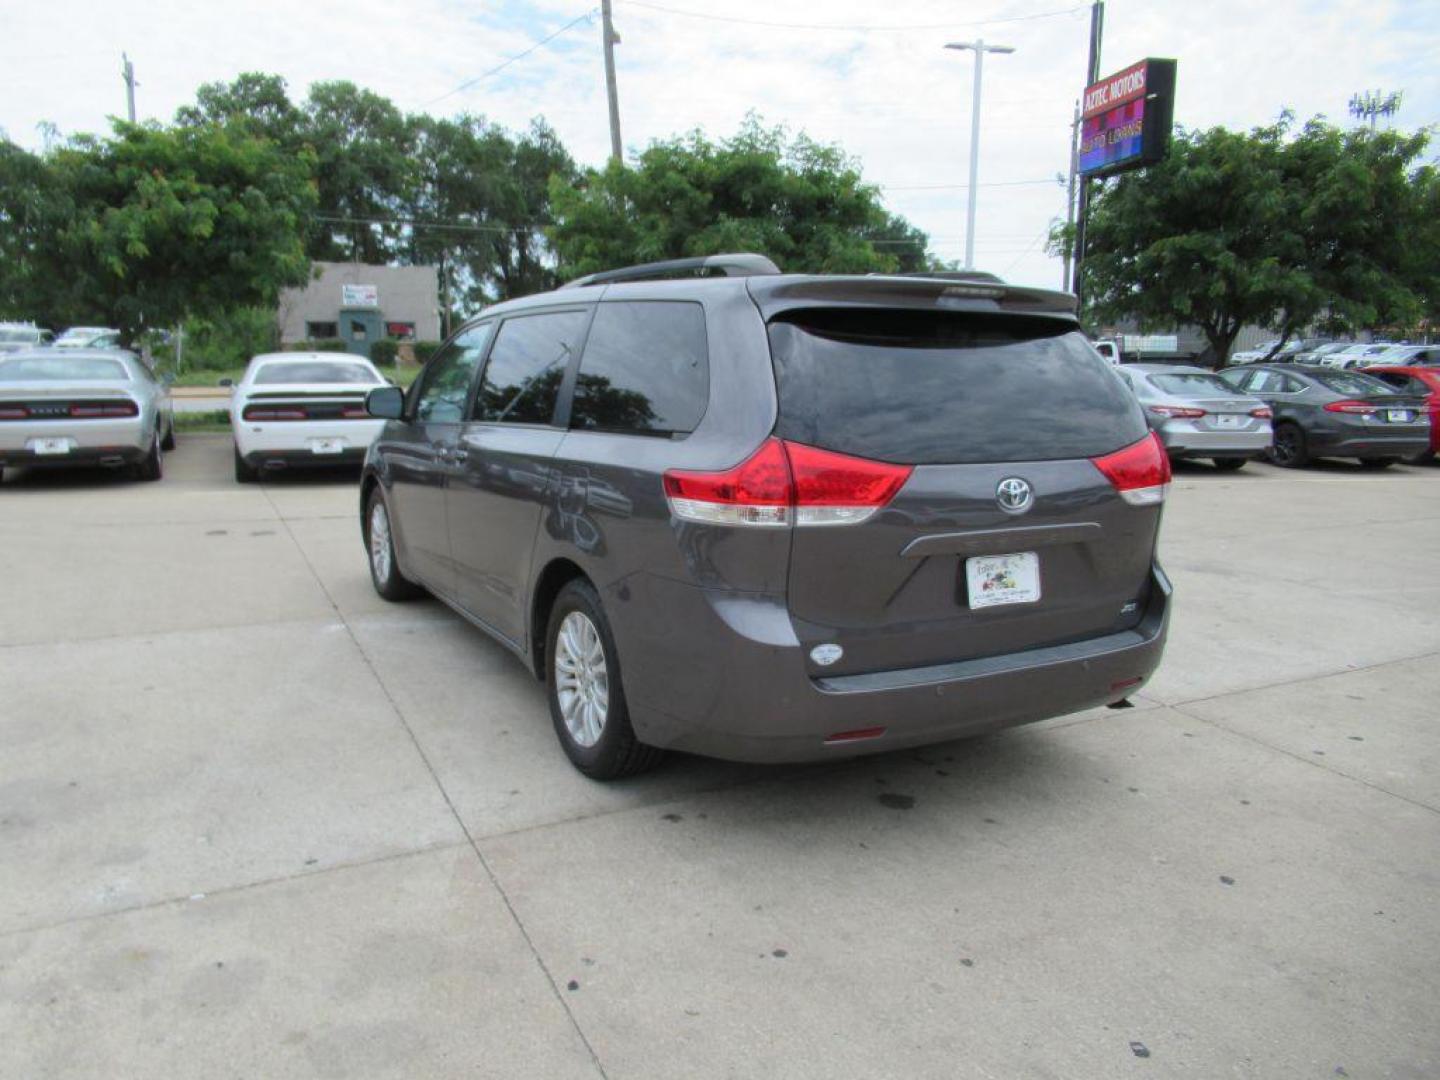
[380, 541]
[582, 681]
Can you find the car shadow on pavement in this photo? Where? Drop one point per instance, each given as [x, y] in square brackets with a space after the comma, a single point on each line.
[67, 479]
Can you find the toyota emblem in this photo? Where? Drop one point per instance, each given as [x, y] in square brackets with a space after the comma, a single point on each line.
[1014, 495]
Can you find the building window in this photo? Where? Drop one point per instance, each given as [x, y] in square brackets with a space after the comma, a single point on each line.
[317, 330]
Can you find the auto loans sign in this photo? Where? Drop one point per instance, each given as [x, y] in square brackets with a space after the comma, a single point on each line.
[1125, 118]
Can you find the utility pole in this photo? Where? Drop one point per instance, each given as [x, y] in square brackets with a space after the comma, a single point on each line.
[617, 152]
[1092, 74]
[980, 49]
[1065, 281]
[128, 72]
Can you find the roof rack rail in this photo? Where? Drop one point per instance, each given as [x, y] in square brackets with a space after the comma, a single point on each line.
[741, 264]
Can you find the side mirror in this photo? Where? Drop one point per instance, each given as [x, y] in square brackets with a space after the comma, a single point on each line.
[226, 382]
[386, 403]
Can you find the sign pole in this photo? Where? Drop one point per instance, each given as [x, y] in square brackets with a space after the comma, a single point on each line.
[1092, 75]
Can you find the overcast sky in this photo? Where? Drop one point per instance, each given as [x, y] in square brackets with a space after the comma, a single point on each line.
[874, 78]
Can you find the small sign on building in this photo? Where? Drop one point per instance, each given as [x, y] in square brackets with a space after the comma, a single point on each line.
[353, 296]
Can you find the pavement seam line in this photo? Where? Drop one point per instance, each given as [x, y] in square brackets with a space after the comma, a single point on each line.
[450, 803]
[1428, 654]
[51, 643]
[226, 890]
[1323, 766]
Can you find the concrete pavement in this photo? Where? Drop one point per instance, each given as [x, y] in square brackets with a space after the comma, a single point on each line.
[256, 822]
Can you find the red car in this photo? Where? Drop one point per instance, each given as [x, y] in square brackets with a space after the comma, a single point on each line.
[1416, 380]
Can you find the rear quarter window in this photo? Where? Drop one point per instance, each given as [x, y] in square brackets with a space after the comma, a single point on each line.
[923, 387]
[645, 370]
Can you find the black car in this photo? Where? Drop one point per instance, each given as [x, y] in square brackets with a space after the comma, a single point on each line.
[806, 516]
[1325, 412]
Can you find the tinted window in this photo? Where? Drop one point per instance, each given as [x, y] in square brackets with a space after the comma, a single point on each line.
[645, 369]
[522, 378]
[313, 371]
[446, 382]
[1190, 384]
[928, 387]
[61, 368]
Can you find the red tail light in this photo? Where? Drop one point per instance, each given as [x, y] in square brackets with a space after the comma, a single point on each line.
[13, 412]
[785, 482]
[108, 410]
[1359, 408]
[755, 492]
[354, 412]
[1261, 413]
[275, 412]
[1177, 411]
[836, 489]
[1140, 471]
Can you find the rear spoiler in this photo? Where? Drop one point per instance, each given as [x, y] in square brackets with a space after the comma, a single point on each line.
[774, 295]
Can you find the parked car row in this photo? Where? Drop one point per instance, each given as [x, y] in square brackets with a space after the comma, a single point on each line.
[1340, 354]
[1290, 413]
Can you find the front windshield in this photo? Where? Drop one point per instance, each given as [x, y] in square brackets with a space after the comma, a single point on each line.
[62, 369]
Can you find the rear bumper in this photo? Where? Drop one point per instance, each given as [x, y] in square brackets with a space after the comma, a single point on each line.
[1413, 441]
[277, 440]
[350, 458]
[86, 437]
[723, 681]
[1183, 442]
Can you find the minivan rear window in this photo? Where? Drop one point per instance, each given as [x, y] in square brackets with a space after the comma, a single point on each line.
[923, 387]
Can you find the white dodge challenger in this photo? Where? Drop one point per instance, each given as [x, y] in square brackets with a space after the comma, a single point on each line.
[302, 409]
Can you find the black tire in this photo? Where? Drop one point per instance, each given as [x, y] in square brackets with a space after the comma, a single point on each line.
[152, 467]
[1229, 464]
[1290, 449]
[1423, 458]
[168, 443]
[1378, 462]
[385, 572]
[245, 473]
[616, 752]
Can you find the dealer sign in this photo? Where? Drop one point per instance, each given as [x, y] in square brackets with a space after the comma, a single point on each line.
[1125, 118]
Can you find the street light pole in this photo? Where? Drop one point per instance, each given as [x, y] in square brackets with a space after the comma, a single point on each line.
[979, 48]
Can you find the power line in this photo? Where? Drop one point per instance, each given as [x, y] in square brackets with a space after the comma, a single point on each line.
[415, 223]
[518, 56]
[852, 28]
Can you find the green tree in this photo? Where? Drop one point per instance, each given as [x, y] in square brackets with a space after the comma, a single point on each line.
[482, 204]
[365, 170]
[1259, 228]
[161, 224]
[802, 203]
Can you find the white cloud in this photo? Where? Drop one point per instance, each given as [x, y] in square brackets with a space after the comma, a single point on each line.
[896, 100]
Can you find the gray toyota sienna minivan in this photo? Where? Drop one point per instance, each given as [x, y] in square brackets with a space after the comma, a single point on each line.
[778, 517]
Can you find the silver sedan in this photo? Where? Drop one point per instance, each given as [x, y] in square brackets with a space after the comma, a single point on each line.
[84, 407]
[1197, 415]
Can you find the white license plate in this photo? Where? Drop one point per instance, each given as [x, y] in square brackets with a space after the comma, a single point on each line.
[50, 446]
[1398, 416]
[1227, 421]
[1002, 579]
[327, 446]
